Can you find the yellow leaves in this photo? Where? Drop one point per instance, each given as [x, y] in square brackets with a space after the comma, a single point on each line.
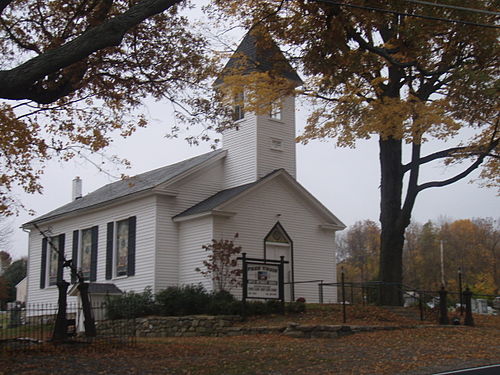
[260, 90]
[351, 118]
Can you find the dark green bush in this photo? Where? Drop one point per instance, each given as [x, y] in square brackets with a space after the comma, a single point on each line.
[223, 303]
[296, 307]
[183, 300]
[274, 306]
[131, 305]
[190, 300]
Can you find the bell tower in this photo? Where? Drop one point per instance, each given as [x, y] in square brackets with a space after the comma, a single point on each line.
[259, 143]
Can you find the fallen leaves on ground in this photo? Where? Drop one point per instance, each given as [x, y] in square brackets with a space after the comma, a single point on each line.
[404, 351]
[331, 314]
[407, 351]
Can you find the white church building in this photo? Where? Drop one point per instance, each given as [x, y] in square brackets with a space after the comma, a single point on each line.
[148, 230]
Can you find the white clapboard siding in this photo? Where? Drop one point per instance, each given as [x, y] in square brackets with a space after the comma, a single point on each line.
[192, 234]
[190, 191]
[251, 154]
[270, 157]
[241, 160]
[145, 211]
[313, 248]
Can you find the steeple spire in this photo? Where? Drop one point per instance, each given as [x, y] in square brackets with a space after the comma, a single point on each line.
[258, 52]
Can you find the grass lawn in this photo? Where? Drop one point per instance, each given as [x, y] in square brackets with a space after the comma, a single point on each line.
[404, 351]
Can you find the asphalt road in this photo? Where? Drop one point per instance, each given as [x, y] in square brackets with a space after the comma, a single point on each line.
[484, 370]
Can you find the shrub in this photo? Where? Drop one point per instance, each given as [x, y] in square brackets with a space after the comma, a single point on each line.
[130, 305]
[183, 300]
[274, 306]
[223, 303]
[296, 307]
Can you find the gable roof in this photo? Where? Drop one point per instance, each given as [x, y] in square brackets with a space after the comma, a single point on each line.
[122, 188]
[258, 52]
[215, 200]
[218, 200]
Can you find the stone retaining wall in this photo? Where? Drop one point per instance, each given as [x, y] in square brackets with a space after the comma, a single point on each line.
[202, 325]
[169, 326]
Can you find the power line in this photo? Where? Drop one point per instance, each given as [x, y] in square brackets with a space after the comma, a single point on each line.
[332, 2]
[474, 10]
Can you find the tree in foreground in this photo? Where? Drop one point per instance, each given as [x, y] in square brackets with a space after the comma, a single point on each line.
[74, 73]
[374, 71]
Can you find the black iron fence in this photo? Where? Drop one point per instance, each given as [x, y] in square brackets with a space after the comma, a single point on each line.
[32, 325]
[431, 305]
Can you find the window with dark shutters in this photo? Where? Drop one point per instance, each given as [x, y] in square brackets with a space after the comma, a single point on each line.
[74, 254]
[43, 271]
[109, 250]
[131, 246]
[93, 254]
[121, 248]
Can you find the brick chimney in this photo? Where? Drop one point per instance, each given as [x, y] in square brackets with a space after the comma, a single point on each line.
[77, 189]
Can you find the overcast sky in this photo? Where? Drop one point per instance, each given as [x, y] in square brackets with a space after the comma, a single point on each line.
[346, 181]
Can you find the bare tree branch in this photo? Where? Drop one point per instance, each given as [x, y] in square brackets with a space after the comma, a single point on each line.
[463, 174]
[437, 155]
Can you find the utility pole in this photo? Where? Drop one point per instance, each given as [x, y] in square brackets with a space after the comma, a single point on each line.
[442, 264]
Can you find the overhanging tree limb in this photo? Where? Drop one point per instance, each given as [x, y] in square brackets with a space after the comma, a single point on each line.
[464, 173]
[431, 157]
[4, 4]
[17, 83]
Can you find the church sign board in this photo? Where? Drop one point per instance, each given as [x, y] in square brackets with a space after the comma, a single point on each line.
[263, 278]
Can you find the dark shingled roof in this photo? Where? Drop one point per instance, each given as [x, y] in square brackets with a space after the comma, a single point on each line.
[135, 184]
[215, 200]
[104, 288]
[221, 197]
[97, 288]
[258, 52]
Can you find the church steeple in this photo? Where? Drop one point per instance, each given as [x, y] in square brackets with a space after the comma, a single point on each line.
[258, 52]
[260, 142]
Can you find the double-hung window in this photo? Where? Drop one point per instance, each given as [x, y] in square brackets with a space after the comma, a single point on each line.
[238, 106]
[85, 252]
[52, 260]
[120, 248]
[276, 110]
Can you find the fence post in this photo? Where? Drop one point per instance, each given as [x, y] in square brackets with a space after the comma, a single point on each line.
[282, 284]
[421, 306]
[460, 290]
[245, 285]
[320, 292]
[362, 293]
[443, 309]
[469, 320]
[41, 322]
[343, 294]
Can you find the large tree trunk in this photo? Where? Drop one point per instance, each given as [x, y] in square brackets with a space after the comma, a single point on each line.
[393, 228]
[88, 319]
[60, 333]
